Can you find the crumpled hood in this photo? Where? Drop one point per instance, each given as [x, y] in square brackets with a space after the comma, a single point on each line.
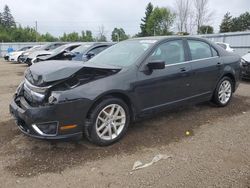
[51, 71]
[40, 52]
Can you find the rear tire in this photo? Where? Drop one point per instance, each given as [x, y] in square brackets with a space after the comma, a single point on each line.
[108, 122]
[223, 92]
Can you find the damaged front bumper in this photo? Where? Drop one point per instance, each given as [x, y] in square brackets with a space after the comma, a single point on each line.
[58, 121]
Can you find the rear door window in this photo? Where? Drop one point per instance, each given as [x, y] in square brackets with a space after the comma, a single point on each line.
[199, 49]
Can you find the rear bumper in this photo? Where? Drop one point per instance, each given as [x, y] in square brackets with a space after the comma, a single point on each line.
[67, 113]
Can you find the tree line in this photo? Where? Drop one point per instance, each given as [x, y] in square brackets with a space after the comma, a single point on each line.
[187, 17]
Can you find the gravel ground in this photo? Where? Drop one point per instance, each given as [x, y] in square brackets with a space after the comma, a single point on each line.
[215, 154]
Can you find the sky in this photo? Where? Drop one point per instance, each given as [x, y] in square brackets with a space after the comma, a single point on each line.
[59, 16]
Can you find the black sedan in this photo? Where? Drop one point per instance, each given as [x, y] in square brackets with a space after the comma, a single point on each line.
[128, 81]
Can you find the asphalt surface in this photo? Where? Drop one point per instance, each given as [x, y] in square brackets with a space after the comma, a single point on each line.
[216, 153]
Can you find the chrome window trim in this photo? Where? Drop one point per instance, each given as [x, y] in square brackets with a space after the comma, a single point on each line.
[191, 61]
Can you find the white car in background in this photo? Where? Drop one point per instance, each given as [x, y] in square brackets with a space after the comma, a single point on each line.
[13, 56]
[226, 46]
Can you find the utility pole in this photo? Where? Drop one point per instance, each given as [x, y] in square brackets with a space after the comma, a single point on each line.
[36, 30]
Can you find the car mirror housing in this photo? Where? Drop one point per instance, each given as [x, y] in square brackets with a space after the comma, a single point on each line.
[153, 65]
[68, 54]
[90, 55]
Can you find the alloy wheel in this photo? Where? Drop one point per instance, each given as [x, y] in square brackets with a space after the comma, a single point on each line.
[225, 91]
[110, 122]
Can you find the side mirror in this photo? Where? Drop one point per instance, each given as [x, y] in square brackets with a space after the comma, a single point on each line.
[90, 55]
[153, 65]
[68, 54]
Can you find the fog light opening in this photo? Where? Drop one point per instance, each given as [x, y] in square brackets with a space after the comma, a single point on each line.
[46, 129]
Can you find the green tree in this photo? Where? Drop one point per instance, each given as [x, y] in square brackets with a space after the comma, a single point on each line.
[88, 36]
[118, 35]
[160, 21]
[206, 29]
[71, 37]
[143, 26]
[7, 18]
[241, 23]
[226, 24]
[47, 38]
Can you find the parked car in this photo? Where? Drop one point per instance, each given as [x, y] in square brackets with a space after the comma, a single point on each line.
[88, 50]
[61, 53]
[6, 56]
[226, 46]
[22, 58]
[246, 66]
[44, 50]
[128, 81]
[13, 56]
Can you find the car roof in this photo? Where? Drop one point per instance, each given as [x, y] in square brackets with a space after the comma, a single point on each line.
[162, 38]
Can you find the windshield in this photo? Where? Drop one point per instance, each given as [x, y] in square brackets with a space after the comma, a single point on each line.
[81, 49]
[124, 53]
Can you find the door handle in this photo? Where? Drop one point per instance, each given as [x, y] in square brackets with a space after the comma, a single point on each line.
[219, 64]
[183, 69]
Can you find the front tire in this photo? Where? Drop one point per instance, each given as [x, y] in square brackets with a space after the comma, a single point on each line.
[108, 121]
[223, 92]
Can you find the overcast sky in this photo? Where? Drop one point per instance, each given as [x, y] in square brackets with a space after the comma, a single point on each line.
[59, 16]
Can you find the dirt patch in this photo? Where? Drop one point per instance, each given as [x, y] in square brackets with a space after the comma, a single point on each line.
[29, 157]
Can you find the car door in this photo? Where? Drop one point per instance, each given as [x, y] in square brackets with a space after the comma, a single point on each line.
[165, 86]
[206, 66]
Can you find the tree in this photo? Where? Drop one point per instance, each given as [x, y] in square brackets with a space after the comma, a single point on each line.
[202, 13]
[118, 35]
[241, 23]
[226, 24]
[206, 29]
[7, 18]
[183, 12]
[143, 26]
[101, 37]
[47, 38]
[160, 21]
[89, 37]
[71, 37]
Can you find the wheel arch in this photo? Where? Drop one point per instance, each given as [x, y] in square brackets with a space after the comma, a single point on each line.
[116, 94]
[232, 77]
